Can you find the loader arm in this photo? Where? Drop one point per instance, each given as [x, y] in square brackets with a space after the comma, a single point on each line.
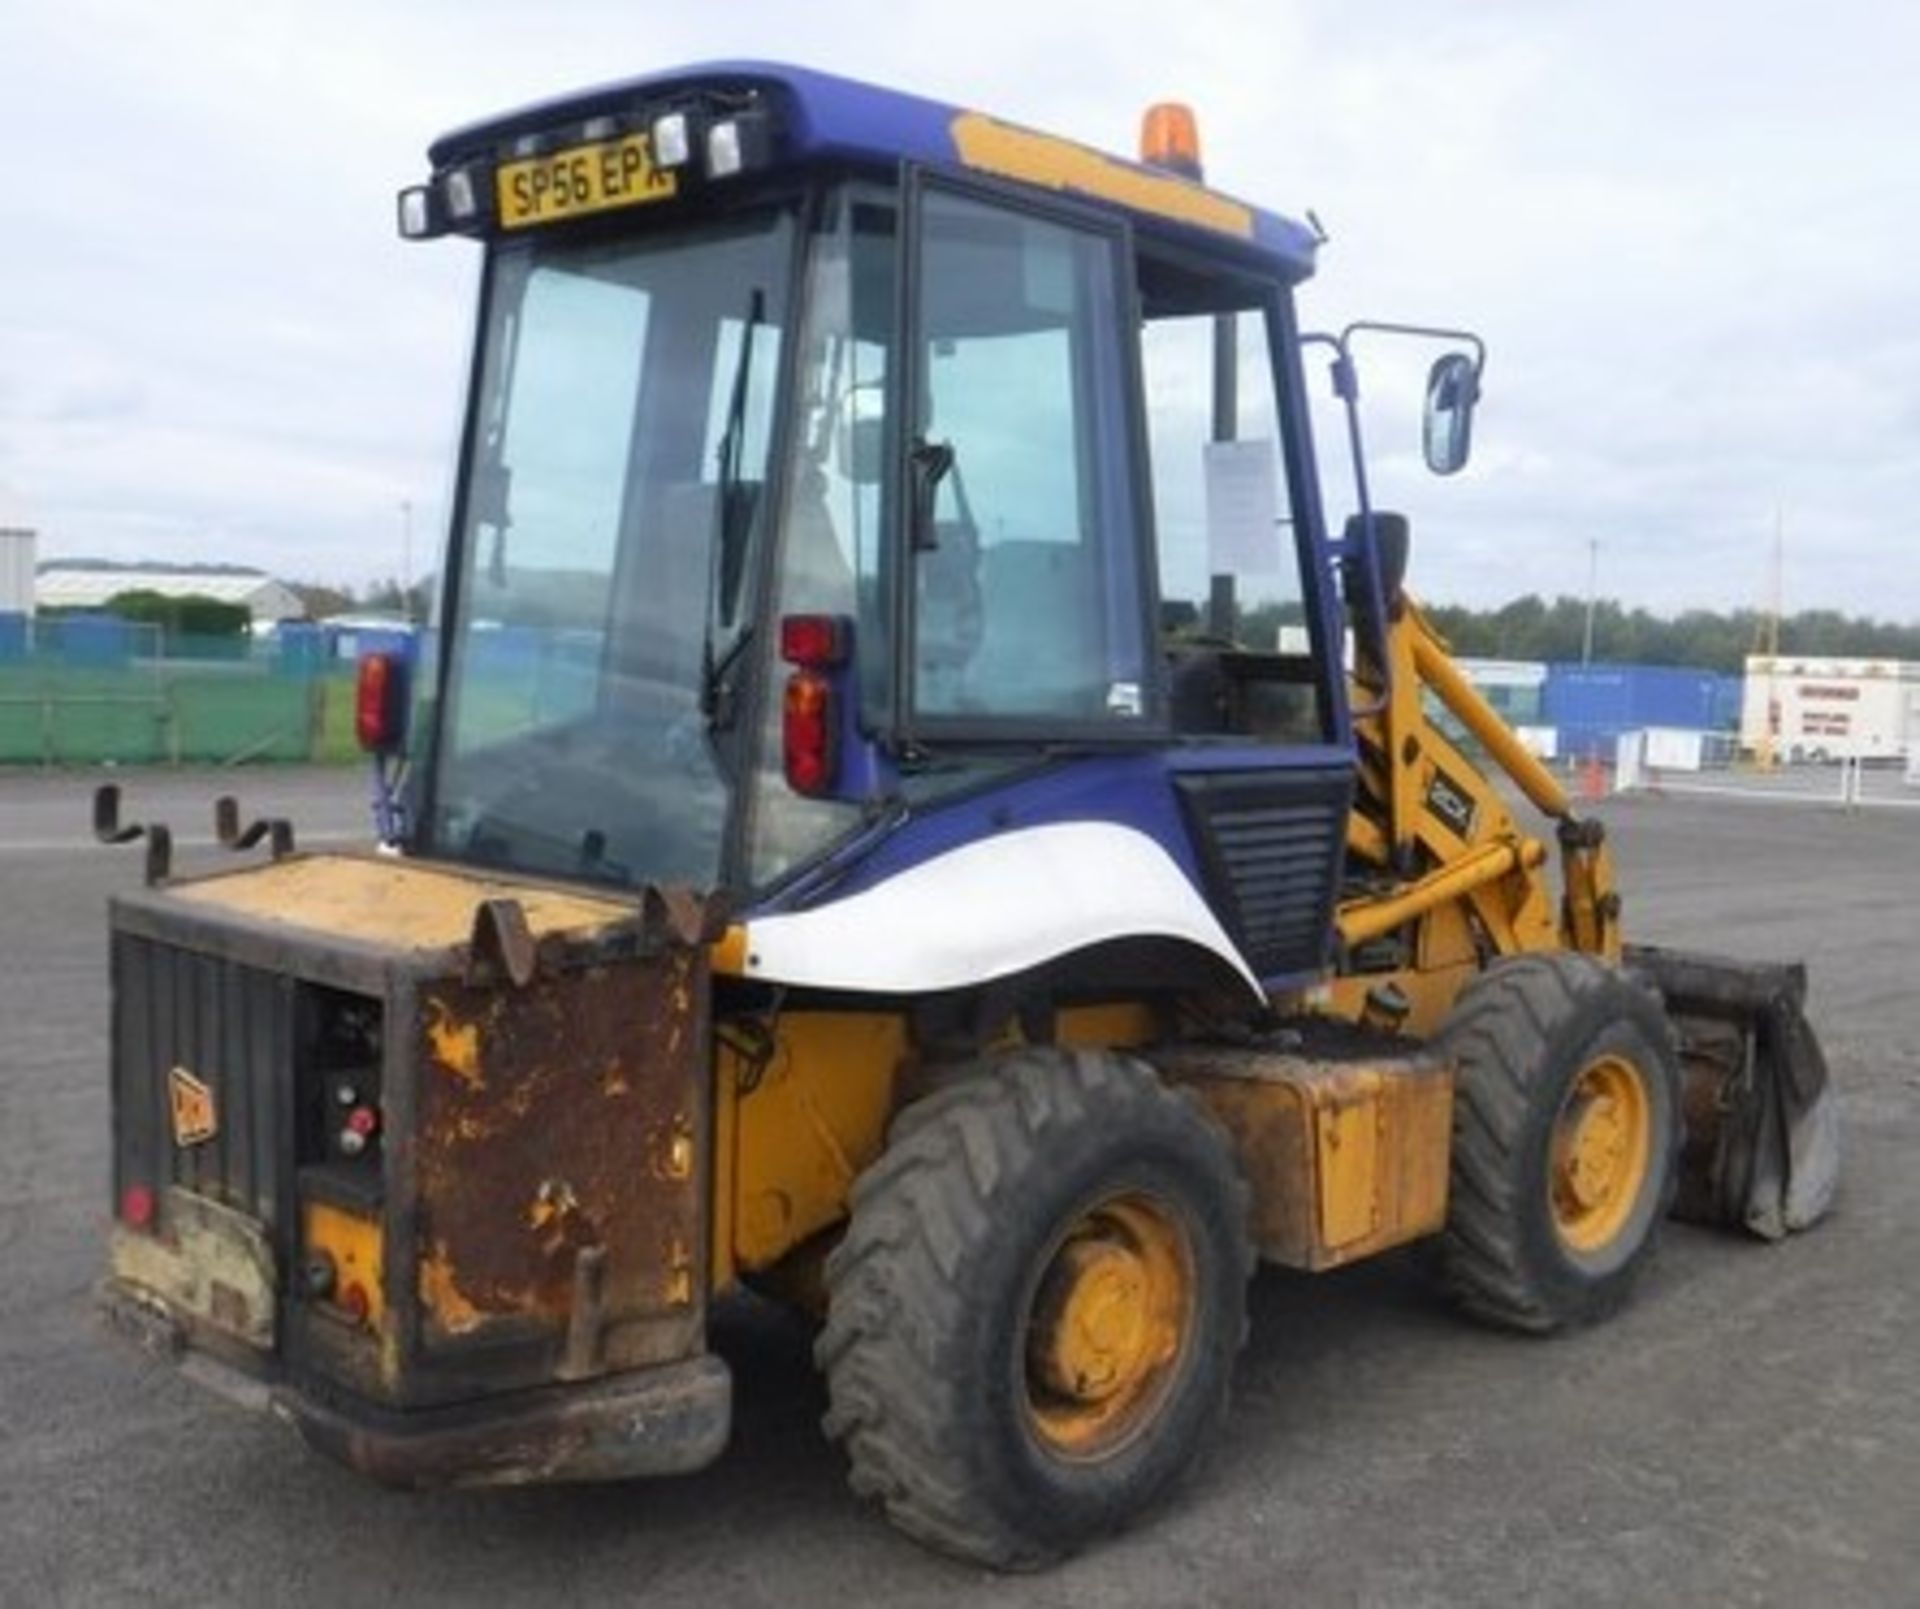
[1442, 876]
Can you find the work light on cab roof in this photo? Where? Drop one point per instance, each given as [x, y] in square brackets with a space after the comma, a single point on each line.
[594, 165]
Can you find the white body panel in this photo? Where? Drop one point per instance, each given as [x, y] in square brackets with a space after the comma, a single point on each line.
[990, 909]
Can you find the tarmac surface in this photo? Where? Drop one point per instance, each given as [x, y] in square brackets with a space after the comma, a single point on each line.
[1747, 1432]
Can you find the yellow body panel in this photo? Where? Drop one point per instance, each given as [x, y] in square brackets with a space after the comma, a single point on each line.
[1344, 1158]
[990, 146]
[797, 1118]
[800, 1116]
[1110, 1025]
[353, 1242]
[390, 902]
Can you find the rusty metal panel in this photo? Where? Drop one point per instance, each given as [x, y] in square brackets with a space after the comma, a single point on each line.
[560, 1129]
[1345, 1155]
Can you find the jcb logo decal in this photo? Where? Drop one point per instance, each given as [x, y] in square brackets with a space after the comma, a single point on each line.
[1451, 803]
[195, 1120]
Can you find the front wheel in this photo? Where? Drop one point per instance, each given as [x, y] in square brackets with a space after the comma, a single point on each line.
[1566, 1139]
[1033, 1317]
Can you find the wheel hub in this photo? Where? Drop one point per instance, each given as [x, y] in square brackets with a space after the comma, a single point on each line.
[1109, 1318]
[1601, 1153]
[1099, 1327]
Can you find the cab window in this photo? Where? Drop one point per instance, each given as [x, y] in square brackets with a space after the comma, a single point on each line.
[1026, 590]
[1229, 555]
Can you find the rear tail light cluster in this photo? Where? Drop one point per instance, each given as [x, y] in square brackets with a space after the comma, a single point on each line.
[380, 703]
[138, 1206]
[818, 647]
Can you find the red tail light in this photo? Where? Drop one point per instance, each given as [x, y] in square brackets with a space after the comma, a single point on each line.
[137, 1206]
[380, 703]
[817, 642]
[811, 731]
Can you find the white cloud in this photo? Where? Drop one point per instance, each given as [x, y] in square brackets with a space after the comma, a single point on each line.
[1687, 233]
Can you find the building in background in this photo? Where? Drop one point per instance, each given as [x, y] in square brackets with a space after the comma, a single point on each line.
[1516, 688]
[18, 547]
[1591, 705]
[91, 583]
[1828, 709]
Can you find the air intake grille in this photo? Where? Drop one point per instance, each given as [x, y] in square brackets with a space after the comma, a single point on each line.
[1270, 844]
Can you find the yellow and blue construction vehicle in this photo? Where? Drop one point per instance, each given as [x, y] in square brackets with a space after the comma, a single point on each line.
[906, 806]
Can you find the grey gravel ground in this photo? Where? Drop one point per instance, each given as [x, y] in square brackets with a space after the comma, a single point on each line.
[1748, 1432]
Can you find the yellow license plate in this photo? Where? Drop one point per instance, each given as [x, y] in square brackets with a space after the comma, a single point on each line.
[579, 180]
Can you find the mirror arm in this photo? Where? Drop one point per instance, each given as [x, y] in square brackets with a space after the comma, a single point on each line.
[1346, 386]
[930, 461]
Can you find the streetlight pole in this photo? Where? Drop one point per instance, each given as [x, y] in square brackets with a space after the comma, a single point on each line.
[406, 559]
[1593, 577]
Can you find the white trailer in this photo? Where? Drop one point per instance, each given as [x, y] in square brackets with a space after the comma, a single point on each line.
[1814, 709]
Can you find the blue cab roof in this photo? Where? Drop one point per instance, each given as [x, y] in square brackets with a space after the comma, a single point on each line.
[823, 118]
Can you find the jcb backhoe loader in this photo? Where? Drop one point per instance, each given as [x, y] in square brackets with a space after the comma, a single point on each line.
[905, 807]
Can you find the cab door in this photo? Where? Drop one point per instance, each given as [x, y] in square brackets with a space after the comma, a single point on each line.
[1028, 580]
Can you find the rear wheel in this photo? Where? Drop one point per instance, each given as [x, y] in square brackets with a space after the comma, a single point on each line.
[1566, 1139]
[1032, 1319]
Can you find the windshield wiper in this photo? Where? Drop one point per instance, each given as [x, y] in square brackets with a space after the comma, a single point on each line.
[716, 702]
[733, 519]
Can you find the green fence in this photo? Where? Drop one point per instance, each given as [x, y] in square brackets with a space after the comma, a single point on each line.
[174, 708]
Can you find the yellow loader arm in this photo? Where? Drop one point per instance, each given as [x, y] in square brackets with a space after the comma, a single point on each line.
[1431, 831]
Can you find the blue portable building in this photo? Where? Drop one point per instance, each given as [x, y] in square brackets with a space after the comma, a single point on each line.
[1591, 705]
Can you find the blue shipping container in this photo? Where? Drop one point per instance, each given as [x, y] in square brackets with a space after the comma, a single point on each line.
[1591, 705]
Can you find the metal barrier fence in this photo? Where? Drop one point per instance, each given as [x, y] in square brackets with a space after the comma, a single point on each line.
[1666, 761]
[86, 690]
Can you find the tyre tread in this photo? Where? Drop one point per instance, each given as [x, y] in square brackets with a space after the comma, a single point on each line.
[1501, 1032]
[897, 1405]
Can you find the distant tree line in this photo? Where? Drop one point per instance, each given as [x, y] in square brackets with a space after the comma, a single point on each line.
[1531, 628]
[192, 615]
[381, 597]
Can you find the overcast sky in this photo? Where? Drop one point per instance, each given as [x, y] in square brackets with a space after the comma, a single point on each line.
[1689, 231]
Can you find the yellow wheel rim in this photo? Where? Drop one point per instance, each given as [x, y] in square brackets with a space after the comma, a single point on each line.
[1110, 1317]
[1602, 1153]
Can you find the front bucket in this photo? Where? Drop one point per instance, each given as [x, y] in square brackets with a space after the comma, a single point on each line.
[1762, 1150]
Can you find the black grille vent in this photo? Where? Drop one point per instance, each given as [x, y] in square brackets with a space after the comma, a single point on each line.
[1270, 843]
[227, 1025]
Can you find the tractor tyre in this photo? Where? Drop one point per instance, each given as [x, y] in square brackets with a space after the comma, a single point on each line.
[1566, 1140]
[1033, 1316]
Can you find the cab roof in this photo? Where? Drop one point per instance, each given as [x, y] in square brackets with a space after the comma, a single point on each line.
[822, 118]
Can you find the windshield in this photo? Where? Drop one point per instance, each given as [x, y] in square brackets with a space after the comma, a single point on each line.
[598, 614]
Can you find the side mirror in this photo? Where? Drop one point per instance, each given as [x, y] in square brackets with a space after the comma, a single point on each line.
[1453, 387]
